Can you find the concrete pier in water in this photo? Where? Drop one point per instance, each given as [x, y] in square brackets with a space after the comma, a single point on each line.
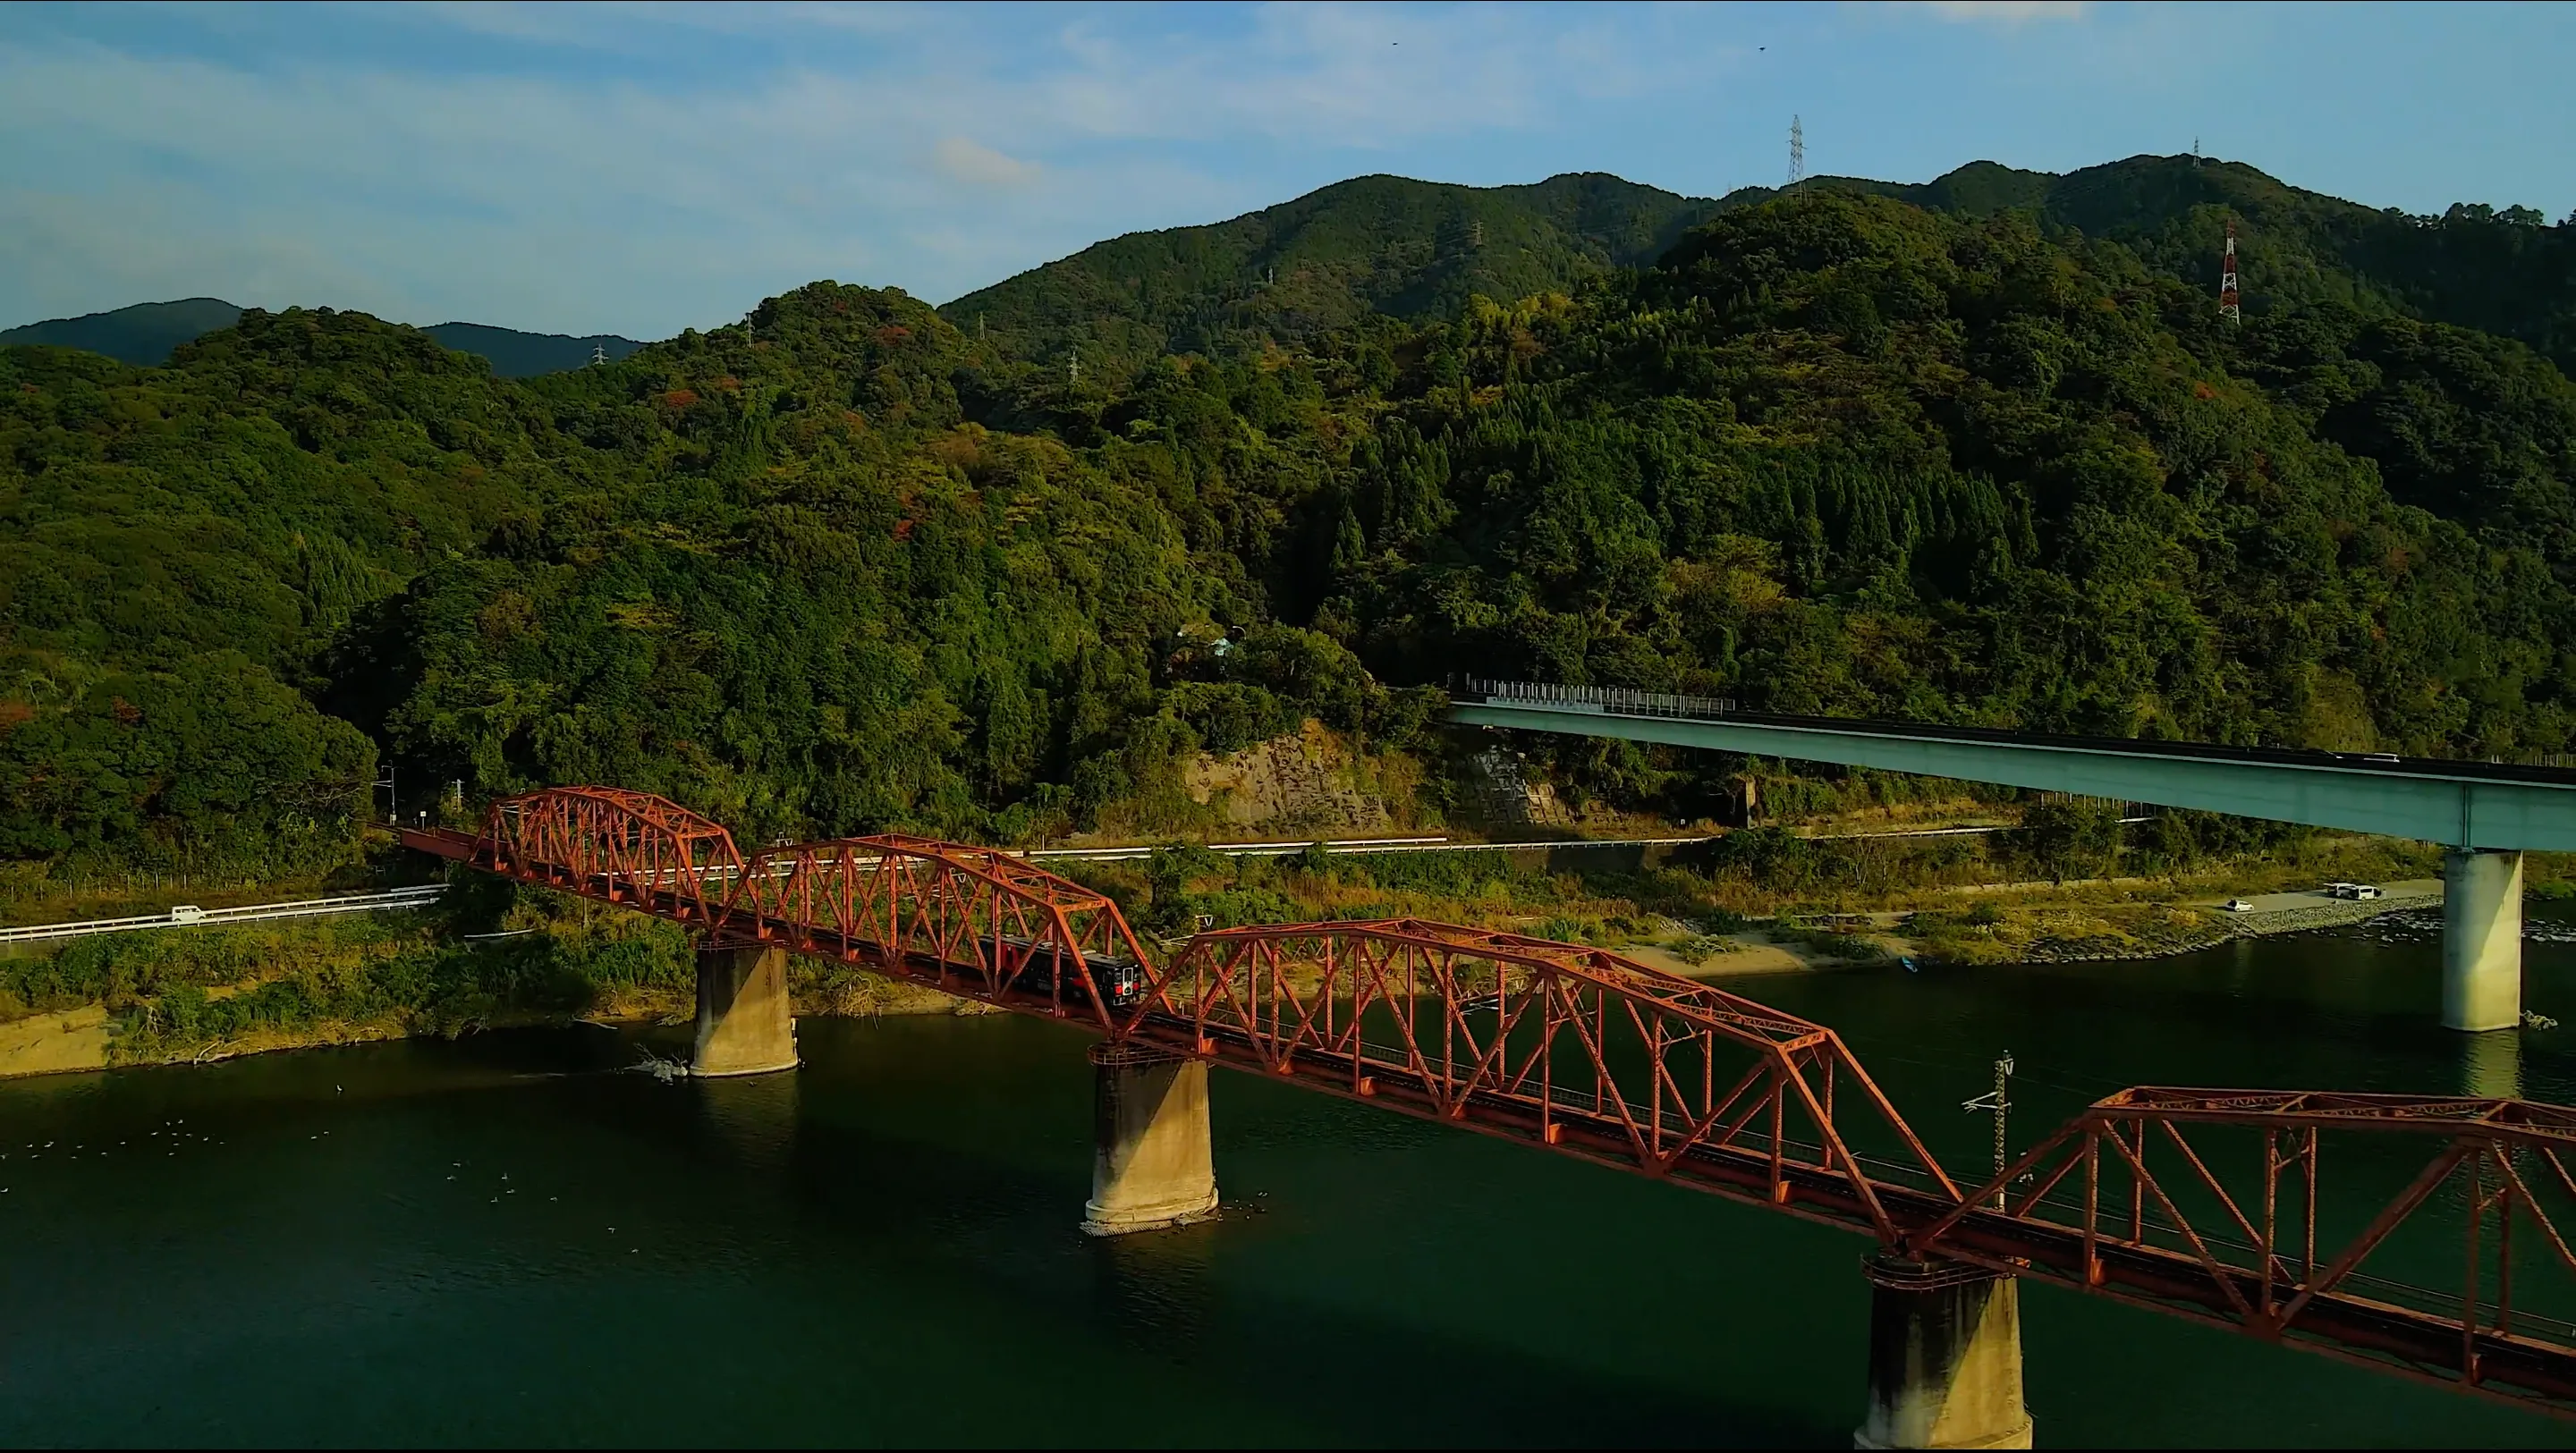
[744, 1027]
[1944, 1357]
[2481, 939]
[1152, 1165]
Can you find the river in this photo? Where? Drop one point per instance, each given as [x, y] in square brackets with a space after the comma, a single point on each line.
[497, 1241]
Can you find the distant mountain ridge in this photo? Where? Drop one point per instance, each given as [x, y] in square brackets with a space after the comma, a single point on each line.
[1415, 250]
[145, 334]
[142, 335]
[1375, 244]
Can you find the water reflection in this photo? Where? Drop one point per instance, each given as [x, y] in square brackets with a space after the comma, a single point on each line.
[490, 1241]
[752, 1118]
[2491, 1065]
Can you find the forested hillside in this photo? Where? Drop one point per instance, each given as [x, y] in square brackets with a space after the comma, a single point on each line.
[1371, 245]
[842, 566]
[1848, 456]
[1417, 250]
[144, 333]
[2506, 272]
[767, 569]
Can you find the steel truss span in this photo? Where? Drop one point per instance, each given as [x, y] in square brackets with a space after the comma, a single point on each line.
[2219, 1205]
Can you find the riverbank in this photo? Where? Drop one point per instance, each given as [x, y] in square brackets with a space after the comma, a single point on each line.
[490, 955]
[86, 1037]
[2082, 932]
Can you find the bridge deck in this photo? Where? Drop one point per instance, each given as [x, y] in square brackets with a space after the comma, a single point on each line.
[2464, 804]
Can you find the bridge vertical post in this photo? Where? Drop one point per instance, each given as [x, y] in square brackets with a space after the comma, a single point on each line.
[1944, 1357]
[744, 1027]
[2481, 939]
[1152, 1164]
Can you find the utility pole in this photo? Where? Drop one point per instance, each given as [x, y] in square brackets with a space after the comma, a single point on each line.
[1797, 157]
[1077, 366]
[392, 803]
[2001, 1104]
[2227, 301]
[598, 354]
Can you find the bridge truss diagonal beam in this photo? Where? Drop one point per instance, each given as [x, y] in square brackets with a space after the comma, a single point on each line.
[2211, 1204]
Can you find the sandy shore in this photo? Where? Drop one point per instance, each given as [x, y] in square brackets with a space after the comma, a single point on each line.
[1755, 953]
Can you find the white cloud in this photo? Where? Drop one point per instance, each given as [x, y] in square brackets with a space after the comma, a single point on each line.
[2007, 12]
[639, 168]
[982, 165]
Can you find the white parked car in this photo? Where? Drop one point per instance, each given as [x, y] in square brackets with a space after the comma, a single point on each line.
[2240, 905]
[2365, 891]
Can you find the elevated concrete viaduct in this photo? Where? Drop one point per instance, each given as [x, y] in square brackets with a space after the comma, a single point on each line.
[2485, 814]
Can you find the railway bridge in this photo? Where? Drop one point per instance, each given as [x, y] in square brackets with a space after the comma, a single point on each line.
[2429, 1246]
[2485, 814]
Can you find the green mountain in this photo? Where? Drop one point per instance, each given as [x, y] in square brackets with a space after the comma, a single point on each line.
[1415, 250]
[143, 334]
[146, 333]
[1372, 245]
[843, 566]
[514, 354]
[1378, 244]
[2503, 272]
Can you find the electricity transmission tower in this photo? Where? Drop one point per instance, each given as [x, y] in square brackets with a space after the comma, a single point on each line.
[2227, 301]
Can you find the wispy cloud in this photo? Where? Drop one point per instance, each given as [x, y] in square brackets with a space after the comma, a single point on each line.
[438, 157]
[637, 168]
[2007, 12]
[969, 162]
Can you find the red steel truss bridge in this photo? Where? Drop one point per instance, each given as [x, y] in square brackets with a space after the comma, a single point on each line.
[2216, 1205]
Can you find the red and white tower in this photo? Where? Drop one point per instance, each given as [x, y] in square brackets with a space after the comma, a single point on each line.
[2227, 307]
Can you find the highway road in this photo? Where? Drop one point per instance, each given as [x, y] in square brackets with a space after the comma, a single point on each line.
[190, 916]
[422, 895]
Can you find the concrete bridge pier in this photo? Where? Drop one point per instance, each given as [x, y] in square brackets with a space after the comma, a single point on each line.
[743, 1024]
[2481, 939]
[1944, 1357]
[1152, 1165]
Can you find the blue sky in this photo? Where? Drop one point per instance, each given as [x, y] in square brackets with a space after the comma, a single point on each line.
[637, 169]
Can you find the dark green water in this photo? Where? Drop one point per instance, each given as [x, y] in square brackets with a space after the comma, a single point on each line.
[493, 1241]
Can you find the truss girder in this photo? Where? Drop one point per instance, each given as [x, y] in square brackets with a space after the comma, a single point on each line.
[2205, 1203]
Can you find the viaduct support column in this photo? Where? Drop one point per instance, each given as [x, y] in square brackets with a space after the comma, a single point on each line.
[1944, 1357]
[2481, 940]
[743, 1024]
[1151, 1165]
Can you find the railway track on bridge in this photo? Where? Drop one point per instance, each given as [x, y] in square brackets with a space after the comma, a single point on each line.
[2217, 1205]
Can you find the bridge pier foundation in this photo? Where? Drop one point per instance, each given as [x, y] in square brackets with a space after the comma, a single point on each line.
[744, 1027]
[1944, 1357]
[1152, 1165]
[2481, 940]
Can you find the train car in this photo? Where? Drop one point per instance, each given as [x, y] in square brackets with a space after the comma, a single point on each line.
[1121, 981]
